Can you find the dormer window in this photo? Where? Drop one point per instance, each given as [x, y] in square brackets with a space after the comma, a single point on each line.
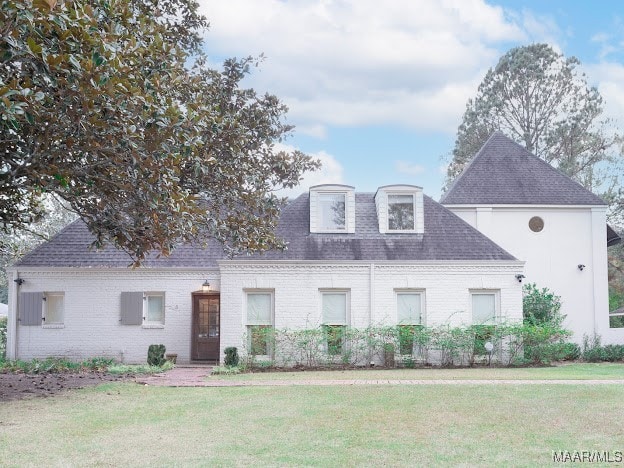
[400, 209]
[332, 209]
[400, 212]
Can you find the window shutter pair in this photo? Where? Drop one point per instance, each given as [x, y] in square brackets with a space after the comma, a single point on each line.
[30, 308]
[131, 308]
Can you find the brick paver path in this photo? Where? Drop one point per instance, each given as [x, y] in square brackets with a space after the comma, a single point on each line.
[196, 377]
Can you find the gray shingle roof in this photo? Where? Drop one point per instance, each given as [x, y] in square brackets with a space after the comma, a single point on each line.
[505, 173]
[446, 237]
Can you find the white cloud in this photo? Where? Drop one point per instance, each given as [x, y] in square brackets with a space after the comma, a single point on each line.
[408, 168]
[331, 172]
[365, 62]
[609, 78]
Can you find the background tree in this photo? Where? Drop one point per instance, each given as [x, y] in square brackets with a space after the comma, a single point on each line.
[99, 107]
[14, 245]
[539, 98]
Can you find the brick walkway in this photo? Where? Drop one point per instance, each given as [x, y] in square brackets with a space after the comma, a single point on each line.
[196, 377]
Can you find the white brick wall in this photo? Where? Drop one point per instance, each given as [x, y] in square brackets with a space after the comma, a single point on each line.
[298, 302]
[91, 316]
[92, 299]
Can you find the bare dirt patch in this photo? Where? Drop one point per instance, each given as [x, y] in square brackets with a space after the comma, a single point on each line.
[19, 386]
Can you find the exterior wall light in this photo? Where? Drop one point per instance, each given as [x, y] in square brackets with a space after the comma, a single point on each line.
[206, 286]
[520, 277]
[19, 281]
[581, 266]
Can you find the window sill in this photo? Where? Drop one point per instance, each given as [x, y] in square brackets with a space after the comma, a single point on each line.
[53, 325]
[153, 325]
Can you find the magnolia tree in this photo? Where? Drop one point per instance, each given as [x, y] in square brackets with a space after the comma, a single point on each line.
[539, 98]
[100, 108]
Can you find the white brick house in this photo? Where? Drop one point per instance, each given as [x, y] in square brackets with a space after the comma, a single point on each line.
[353, 259]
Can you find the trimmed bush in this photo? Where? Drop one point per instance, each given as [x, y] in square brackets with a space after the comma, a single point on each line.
[156, 355]
[231, 356]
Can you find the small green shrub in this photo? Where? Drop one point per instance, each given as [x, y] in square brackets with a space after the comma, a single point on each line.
[225, 370]
[3, 337]
[156, 355]
[231, 356]
[130, 369]
[97, 363]
[40, 366]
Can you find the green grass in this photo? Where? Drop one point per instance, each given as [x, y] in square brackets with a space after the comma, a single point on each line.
[585, 371]
[132, 425]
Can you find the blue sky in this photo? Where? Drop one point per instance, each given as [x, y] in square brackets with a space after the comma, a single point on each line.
[377, 89]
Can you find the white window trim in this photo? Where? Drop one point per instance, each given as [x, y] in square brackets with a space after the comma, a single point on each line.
[147, 323]
[246, 292]
[400, 231]
[347, 292]
[319, 212]
[497, 306]
[423, 311]
[44, 311]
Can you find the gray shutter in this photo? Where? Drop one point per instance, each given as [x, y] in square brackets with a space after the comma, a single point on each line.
[131, 308]
[30, 308]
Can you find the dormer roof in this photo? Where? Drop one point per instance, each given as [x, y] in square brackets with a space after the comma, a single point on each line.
[505, 173]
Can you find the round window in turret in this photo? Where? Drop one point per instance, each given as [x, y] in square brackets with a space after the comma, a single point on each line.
[536, 224]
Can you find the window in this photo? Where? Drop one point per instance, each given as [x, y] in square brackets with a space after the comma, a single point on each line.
[401, 212]
[259, 322]
[484, 308]
[334, 310]
[54, 307]
[409, 318]
[332, 211]
[142, 308]
[409, 308]
[155, 308]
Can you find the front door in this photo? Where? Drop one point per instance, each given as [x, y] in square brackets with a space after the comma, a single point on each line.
[205, 341]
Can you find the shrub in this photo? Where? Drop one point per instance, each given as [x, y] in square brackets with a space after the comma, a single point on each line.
[3, 337]
[130, 369]
[231, 356]
[156, 355]
[225, 370]
[593, 351]
[540, 306]
[515, 343]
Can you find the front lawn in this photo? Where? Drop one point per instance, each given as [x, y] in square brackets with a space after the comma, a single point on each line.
[131, 425]
[581, 371]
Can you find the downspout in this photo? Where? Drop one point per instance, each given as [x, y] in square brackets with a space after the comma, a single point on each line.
[371, 294]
